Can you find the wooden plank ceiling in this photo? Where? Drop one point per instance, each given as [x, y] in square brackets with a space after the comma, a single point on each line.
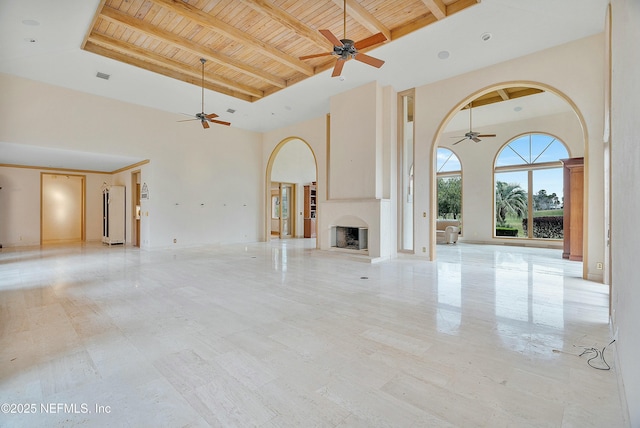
[503, 95]
[252, 47]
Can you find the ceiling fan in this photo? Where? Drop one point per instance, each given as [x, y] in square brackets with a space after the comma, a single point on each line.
[202, 117]
[345, 49]
[474, 136]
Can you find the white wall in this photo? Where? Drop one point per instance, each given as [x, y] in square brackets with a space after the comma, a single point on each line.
[625, 169]
[205, 185]
[575, 70]
[294, 163]
[356, 151]
[363, 168]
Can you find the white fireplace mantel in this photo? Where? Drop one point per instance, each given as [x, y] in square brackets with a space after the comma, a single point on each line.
[372, 214]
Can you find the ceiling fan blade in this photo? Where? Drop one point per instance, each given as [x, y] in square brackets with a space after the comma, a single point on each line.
[219, 122]
[211, 115]
[486, 135]
[338, 68]
[476, 139]
[369, 60]
[187, 120]
[370, 41]
[331, 37]
[459, 141]
[315, 55]
[205, 124]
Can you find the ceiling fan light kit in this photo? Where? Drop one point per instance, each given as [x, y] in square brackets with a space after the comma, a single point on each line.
[202, 117]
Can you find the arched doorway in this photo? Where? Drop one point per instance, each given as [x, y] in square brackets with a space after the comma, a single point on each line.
[292, 166]
[500, 113]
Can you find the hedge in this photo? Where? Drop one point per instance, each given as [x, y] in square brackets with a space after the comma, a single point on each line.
[506, 231]
[551, 227]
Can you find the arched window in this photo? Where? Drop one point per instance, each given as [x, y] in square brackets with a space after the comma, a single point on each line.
[449, 176]
[528, 187]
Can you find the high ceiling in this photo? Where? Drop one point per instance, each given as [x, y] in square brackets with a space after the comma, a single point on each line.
[252, 47]
[43, 40]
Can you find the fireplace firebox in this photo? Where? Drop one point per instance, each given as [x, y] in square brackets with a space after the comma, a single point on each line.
[352, 238]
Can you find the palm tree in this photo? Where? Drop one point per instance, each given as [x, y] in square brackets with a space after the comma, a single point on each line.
[511, 199]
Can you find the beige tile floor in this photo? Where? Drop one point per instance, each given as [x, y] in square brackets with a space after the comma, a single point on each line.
[279, 334]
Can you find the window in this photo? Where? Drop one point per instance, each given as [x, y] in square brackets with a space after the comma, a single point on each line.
[406, 171]
[528, 188]
[449, 178]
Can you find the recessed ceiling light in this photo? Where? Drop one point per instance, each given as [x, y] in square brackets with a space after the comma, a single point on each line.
[31, 22]
[486, 37]
[518, 108]
[443, 54]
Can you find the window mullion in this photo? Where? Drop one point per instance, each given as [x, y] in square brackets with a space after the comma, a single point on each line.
[530, 205]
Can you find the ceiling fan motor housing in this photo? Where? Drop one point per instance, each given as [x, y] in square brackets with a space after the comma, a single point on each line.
[347, 50]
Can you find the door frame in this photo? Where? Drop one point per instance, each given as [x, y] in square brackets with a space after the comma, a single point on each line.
[136, 179]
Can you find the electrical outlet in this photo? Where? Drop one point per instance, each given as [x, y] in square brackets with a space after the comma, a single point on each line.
[599, 266]
[424, 249]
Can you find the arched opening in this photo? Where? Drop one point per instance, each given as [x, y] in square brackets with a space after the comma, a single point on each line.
[482, 123]
[291, 174]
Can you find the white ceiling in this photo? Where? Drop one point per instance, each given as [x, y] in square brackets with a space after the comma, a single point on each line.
[518, 27]
[541, 104]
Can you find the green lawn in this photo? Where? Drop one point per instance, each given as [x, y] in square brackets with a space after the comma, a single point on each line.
[549, 213]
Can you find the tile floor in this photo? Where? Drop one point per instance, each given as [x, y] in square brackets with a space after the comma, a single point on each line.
[279, 334]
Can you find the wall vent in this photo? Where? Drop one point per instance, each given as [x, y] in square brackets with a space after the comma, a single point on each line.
[230, 110]
[104, 76]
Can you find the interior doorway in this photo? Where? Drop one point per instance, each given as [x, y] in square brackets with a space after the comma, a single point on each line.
[283, 224]
[291, 167]
[63, 208]
[135, 203]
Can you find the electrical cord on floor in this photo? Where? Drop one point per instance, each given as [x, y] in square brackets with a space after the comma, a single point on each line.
[595, 354]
